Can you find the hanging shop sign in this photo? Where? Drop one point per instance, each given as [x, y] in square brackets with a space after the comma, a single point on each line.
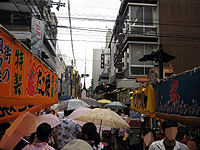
[37, 30]
[102, 60]
[179, 96]
[143, 100]
[9, 113]
[24, 79]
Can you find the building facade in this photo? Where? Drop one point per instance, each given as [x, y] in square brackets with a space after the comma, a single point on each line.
[141, 26]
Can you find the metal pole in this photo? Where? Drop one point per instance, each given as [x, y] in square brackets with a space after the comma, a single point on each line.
[61, 84]
[75, 87]
[71, 77]
[161, 61]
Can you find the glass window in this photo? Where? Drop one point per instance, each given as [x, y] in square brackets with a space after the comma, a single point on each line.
[136, 30]
[147, 70]
[148, 50]
[137, 70]
[148, 16]
[151, 31]
[143, 15]
[137, 15]
[137, 52]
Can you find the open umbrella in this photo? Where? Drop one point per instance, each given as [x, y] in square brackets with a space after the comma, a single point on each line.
[115, 105]
[104, 101]
[90, 101]
[103, 117]
[16, 131]
[54, 106]
[72, 104]
[65, 97]
[80, 111]
[51, 119]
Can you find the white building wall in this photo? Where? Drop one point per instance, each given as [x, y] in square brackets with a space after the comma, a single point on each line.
[96, 66]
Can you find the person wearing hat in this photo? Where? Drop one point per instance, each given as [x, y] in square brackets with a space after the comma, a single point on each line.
[77, 144]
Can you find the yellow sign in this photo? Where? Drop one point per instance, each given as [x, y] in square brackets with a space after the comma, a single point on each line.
[143, 100]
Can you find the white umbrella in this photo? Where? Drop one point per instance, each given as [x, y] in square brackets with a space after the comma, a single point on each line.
[72, 104]
[115, 105]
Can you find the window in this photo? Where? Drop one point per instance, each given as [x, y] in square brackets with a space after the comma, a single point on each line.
[137, 51]
[143, 20]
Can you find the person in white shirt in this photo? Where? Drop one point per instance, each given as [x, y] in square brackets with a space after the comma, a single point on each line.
[170, 128]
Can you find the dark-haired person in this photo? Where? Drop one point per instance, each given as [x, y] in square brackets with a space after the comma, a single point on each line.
[124, 131]
[170, 129]
[147, 139]
[43, 132]
[67, 131]
[90, 135]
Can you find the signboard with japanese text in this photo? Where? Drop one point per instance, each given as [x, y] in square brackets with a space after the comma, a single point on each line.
[102, 60]
[9, 113]
[24, 79]
[37, 30]
[179, 96]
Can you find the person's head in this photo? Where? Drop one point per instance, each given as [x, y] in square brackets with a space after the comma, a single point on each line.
[89, 132]
[47, 110]
[119, 112]
[148, 136]
[68, 112]
[52, 112]
[170, 128]
[43, 132]
[126, 111]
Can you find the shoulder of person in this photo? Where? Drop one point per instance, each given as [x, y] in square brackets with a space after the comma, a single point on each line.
[183, 146]
[156, 145]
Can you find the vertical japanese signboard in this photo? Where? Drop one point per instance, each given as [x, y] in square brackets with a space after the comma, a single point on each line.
[102, 60]
[24, 79]
[37, 30]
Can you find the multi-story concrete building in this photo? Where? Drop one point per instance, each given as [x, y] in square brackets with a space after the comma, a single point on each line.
[141, 26]
[101, 64]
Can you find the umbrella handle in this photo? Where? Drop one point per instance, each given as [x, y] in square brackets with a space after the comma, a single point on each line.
[100, 127]
[21, 138]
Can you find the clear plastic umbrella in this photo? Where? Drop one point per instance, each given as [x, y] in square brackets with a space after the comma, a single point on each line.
[72, 104]
[115, 105]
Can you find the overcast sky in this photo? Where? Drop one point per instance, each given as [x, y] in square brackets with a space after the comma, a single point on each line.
[90, 20]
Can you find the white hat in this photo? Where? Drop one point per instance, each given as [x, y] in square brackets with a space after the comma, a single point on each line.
[77, 144]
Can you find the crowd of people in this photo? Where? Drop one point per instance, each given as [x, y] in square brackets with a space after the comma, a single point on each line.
[69, 135]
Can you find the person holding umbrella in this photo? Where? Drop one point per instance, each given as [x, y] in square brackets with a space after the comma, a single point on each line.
[67, 131]
[43, 132]
[90, 135]
[124, 131]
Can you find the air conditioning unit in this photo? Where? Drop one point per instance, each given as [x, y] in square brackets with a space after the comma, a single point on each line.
[154, 74]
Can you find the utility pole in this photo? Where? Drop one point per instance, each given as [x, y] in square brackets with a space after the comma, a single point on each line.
[49, 4]
[71, 75]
